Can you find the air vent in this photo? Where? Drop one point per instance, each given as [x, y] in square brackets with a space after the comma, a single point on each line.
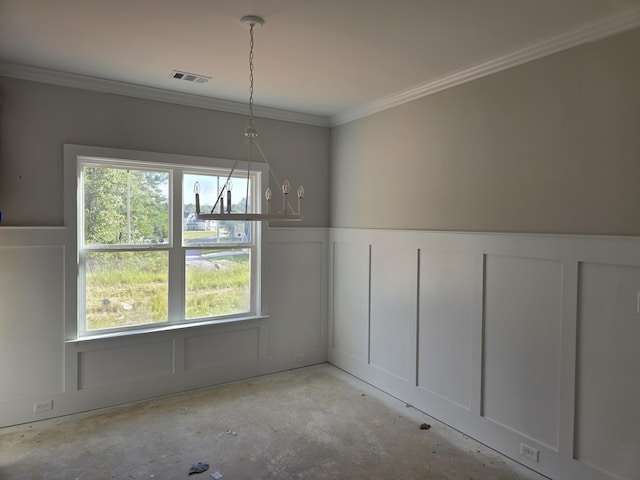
[189, 77]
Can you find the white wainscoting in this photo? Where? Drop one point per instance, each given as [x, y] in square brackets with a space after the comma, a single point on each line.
[31, 313]
[510, 339]
[37, 365]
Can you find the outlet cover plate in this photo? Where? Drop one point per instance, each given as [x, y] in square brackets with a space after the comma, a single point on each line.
[529, 452]
[43, 406]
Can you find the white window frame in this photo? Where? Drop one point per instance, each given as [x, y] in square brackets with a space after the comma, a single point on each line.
[77, 156]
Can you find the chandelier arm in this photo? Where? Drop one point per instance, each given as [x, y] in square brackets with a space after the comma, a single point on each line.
[224, 185]
[273, 175]
[246, 197]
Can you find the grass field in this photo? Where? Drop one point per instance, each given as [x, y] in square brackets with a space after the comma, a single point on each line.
[126, 288]
[195, 235]
[219, 287]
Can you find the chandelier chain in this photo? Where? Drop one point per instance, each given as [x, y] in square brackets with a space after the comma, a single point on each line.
[251, 75]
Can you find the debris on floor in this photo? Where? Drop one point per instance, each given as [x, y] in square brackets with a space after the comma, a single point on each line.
[217, 475]
[199, 468]
[362, 394]
[231, 432]
[425, 426]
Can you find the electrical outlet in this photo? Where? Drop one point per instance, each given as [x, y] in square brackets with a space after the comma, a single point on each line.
[43, 406]
[298, 358]
[529, 452]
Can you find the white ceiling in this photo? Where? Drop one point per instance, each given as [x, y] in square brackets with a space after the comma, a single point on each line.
[328, 58]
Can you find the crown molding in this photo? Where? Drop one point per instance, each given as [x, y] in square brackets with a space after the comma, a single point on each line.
[64, 79]
[589, 33]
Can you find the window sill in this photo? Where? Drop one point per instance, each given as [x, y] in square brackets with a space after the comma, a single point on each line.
[163, 329]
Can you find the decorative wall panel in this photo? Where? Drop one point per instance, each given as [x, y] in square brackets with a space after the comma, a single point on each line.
[444, 343]
[296, 300]
[31, 321]
[393, 310]
[351, 299]
[125, 363]
[221, 348]
[608, 369]
[522, 317]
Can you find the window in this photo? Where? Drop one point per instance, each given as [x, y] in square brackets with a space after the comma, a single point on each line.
[144, 260]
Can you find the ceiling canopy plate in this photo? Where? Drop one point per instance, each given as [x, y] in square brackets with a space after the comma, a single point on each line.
[252, 20]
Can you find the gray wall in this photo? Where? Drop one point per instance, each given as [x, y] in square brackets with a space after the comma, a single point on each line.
[37, 119]
[36, 364]
[512, 339]
[552, 146]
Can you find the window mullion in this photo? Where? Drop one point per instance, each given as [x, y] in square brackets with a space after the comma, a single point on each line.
[82, 292]
[176, 284]
[177, 252]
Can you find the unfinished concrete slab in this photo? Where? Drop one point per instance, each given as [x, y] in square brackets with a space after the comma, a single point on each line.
[312, 423]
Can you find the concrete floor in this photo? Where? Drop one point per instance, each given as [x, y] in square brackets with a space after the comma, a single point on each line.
[311, 423]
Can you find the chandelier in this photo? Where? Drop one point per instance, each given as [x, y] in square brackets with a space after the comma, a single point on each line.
[251, 145]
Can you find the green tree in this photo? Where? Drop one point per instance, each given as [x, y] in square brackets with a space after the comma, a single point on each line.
[124, 206]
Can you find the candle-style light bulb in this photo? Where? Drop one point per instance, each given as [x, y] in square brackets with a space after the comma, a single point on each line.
[300, 195]
[229, 186]
[286, 186]
[267, 195]
[196, 190]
